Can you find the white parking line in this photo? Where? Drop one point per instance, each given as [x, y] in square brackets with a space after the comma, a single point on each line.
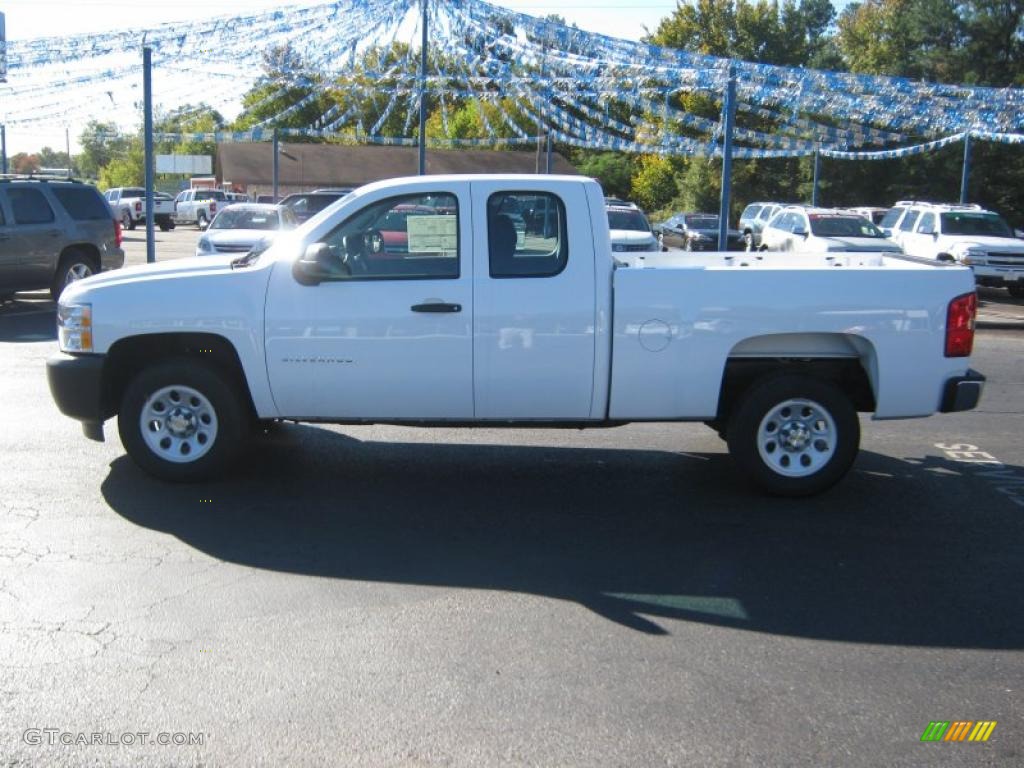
[1004, 479]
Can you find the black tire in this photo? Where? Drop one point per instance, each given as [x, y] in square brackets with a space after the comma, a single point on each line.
[797, 441]
[201, 221]
[1016, 290]
[73, 265]
[127, 222]
[165, 223]
[219, 396]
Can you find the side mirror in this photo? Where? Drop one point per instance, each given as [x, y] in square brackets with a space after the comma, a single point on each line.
[316, 264]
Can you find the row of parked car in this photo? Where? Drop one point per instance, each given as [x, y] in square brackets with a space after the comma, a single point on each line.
[965, 234]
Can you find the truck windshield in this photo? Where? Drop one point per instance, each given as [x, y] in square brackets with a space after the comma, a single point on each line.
[628, 219]
[843, 226]
[971, 223]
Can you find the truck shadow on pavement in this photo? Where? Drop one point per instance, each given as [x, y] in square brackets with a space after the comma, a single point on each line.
[914, 553]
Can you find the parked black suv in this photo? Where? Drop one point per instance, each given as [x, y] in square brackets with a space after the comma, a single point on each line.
[53, 232]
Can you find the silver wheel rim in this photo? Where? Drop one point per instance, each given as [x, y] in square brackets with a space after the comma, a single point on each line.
[797, 438]
[126, 220]
[179, 424]
[76, 272]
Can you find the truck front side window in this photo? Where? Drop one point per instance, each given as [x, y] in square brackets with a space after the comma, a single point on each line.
[412, 237]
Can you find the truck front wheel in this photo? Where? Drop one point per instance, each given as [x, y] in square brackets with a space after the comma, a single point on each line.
[182, 420]
[794, 435]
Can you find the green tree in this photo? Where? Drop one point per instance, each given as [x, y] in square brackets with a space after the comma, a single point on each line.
[613, 169]
[100, 143]
[127, 169]
[654, 182]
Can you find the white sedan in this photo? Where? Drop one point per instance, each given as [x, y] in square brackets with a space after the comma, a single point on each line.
[821, 230]
[237, 228]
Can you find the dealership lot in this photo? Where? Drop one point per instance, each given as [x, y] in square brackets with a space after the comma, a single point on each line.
[383, 595]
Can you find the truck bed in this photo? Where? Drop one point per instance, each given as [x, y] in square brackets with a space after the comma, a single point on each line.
[680, 317]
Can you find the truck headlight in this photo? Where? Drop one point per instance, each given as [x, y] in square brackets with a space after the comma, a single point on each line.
[74, 327]
[971, 256]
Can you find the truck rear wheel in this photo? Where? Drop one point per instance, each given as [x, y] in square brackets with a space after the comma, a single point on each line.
[793, 435]
[127, 222]
[182, 420]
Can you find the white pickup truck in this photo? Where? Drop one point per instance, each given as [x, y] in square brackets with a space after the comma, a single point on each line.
[129, 207]
[416, 301]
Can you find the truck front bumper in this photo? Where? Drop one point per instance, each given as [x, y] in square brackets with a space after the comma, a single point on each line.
[998, 277]
[962, 393]
[76, 384]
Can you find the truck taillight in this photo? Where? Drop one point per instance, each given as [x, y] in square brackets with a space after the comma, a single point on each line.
[138, 206]
[118, 236]
[960, 325]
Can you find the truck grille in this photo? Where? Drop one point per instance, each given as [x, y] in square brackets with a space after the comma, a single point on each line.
[1006, 259]
[640, 247]
[233, 248]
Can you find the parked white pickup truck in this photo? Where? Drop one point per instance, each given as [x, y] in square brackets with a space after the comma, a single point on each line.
[129, 206]
[415, 301]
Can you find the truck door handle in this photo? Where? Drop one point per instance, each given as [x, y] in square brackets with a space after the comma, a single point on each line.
[436, 306]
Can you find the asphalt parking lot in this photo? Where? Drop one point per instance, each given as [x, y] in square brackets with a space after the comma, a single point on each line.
[391, 596]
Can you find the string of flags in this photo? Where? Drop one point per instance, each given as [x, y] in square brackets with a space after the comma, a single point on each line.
[536, 77]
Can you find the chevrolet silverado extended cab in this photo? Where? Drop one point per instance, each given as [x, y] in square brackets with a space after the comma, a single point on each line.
[416, 301]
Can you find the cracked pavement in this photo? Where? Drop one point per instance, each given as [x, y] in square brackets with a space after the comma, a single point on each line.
[386, 596]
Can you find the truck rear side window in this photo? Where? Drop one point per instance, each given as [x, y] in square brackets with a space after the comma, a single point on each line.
[526, 234]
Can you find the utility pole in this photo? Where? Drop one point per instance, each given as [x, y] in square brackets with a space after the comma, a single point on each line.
[548, 166]
[3, 149]
[423, 92]
[966, 175]
[728, 116]
[67, 146]
[814, 184]
[147, 112]
[277, 164]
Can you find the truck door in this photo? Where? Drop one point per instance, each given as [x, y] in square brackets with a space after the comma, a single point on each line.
[387, 333]
[533, 338]
[921, 241]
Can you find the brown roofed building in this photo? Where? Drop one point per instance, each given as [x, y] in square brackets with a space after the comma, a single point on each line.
[304, 167]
